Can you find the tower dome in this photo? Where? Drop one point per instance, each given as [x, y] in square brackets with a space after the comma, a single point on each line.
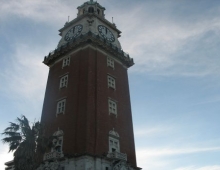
[91, 7]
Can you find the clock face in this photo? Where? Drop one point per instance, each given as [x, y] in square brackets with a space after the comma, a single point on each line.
[106, 33]
[73, 32]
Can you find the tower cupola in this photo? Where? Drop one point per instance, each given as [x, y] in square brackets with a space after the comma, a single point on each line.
[91, 7]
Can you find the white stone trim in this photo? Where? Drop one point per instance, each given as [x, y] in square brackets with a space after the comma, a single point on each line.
[112, 107]
[64, 81]
[111, 82]
[61, 106]
[66, 61]
[110, 62]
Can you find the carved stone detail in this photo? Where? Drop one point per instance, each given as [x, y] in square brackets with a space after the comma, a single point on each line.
[90, 22]
[121, 166]
[89, 38]
[49, 166]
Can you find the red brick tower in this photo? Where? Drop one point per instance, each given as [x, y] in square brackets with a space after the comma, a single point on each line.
[87, 102]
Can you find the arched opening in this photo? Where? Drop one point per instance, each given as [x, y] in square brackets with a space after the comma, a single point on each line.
[114, 145]
[58, 148]
[91, 10]
[57, 141]
[98, 11]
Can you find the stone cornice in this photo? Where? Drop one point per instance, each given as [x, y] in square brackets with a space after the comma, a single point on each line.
[94, 40]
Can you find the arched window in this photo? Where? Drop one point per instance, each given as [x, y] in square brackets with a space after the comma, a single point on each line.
[58, 141]
[114, 145]
[91, 10]
[84, 11]
[98, 11]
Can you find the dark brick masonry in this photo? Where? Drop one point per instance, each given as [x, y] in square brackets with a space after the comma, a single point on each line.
[86, 121]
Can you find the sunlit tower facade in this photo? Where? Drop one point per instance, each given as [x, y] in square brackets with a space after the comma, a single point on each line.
[87, 102]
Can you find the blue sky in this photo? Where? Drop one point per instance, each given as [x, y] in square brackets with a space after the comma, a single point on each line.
[174, 84]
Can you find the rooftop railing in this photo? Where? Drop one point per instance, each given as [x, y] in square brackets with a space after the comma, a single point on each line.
[94, 36]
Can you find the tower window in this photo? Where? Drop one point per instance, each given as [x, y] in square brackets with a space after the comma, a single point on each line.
[57, 141]
[112, 107]
[111, 82]
[66, 61]
[64, 81]
[61, 106]
[91, 10]
[110, 62]
[114, 142]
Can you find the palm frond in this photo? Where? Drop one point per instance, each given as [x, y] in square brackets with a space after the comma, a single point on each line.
[25, 122]
[13, 146]
[11, 133]
[24, 125]
[12, 139]
[13, 127]
[28, 141]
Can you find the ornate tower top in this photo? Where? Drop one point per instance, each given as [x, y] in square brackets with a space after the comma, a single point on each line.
[91, 7]
[90, 18]
[90, 25]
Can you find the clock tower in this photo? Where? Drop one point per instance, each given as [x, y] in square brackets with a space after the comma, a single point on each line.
[87, 103]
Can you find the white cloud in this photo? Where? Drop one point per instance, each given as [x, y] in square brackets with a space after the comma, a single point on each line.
[4, 155]
[156, 44]
[149, 131]
[153, 164]
[154, 41]
[213, 167]
[149, 152]
[26, 75]
[51, 11]
[160, 158]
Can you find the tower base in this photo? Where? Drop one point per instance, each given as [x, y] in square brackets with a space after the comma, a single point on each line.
[86, 162]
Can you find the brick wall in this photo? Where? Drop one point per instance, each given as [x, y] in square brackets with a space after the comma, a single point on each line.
[86, 121]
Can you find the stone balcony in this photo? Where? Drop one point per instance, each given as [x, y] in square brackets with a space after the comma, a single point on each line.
[52, 155]
[118, 155]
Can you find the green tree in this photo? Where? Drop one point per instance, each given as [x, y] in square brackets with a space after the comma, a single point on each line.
[28, 143]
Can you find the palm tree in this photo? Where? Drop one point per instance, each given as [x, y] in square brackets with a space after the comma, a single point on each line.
[28, 142]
